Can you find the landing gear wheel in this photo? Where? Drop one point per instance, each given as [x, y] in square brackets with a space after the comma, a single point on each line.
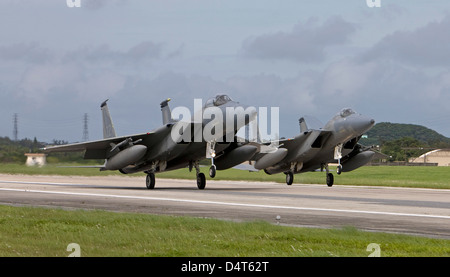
[289, 178]
[212, 171]
[150, 181]
[201, 181]
[339, 169]
[330, 179]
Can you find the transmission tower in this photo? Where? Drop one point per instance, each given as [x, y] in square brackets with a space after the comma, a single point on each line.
[16, 129]
[85, 128]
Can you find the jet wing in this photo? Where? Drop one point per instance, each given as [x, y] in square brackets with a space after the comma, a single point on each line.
[315, 138]
[99, 149]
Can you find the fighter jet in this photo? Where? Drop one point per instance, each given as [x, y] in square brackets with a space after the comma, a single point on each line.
[336, 142]
[177, 143]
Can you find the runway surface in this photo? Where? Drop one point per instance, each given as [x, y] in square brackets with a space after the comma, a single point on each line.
[424, 212]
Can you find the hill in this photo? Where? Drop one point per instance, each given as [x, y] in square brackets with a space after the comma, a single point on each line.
[385, 131]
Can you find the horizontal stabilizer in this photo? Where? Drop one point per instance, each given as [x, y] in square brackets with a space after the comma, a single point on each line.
[84, 166]
[246, 167]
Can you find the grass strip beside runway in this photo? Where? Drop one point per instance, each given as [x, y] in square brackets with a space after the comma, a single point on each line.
[30, 232]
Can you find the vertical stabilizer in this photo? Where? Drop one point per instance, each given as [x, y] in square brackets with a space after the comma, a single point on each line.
[108, 127]
[303, 126]
[166, 114]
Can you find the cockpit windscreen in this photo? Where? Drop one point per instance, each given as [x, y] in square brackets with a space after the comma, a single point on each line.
[347, 112]
[219, 100]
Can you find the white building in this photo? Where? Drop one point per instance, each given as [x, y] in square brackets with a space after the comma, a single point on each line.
[439, 156]
[34, 159]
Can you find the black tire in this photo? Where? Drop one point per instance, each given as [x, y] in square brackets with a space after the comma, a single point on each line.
[150, 181]
[201, 181]
[289, 178]
[339, 169]
[330, 179]
[212, 171]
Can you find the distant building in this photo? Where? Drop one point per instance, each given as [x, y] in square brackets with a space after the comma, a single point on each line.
[34, 159]
[439, 156]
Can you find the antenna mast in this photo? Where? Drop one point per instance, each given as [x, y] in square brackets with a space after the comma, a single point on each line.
[16, 129]
[85, 127]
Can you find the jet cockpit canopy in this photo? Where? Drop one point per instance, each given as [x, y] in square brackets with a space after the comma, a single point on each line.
[219, 100]
[346, 112]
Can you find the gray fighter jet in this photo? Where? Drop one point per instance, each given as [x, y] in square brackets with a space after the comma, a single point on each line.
[336, 142]
[175, 144]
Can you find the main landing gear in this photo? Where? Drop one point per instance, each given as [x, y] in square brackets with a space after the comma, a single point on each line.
[201, 180]
[330, 177]
[295, 167]
[150, 180]
[289, 178]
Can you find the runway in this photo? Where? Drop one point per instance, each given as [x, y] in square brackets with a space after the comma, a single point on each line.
[424, 212]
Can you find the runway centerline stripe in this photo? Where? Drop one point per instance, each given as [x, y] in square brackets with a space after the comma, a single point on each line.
[225, 203]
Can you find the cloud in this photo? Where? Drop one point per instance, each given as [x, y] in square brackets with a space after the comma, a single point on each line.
[305, 43]
[99, 4]
[26, 52]
[41, 85]
[346, 78]
[142, 52]
[425, 46]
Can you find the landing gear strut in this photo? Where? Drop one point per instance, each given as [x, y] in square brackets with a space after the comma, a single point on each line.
[338, 156]
[211, 153]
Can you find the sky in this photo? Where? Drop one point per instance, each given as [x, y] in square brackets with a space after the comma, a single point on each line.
[312, 58]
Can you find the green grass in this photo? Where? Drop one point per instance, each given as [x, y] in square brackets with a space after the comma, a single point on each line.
[48, 232]
[398, 176]
[26, 231]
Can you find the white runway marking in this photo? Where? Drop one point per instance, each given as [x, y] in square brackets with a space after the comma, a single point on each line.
[42, 183]
[227, 203]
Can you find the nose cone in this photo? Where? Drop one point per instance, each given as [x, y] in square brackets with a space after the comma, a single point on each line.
[363, 124]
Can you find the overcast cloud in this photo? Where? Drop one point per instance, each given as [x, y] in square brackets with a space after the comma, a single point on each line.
[306, 42]
[308, 58]
[425, 46]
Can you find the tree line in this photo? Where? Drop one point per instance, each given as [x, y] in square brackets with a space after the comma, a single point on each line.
[14, 151]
